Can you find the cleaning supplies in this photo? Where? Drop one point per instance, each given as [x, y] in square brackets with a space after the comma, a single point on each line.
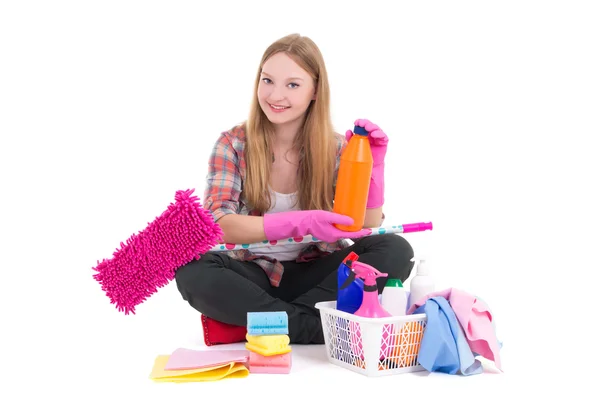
[350, 297]
[353, 180]
[232, 369]
[267, 323]
[277, 364]
[422, 283]
[394, 297]
[268, 342]
[183, 358]
[268, 345]
[370, 306]
[149, 259]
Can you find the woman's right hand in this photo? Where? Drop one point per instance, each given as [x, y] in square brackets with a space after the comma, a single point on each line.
[318, 223]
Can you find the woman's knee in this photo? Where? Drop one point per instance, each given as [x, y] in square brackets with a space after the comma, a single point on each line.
[193, 279]
[399, 246]
[390, 243]
[395, 250]
[403, 253]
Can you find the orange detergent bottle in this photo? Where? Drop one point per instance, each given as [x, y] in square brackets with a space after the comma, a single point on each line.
[353, 179]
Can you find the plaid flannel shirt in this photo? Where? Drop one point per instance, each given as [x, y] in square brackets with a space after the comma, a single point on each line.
[223, 195]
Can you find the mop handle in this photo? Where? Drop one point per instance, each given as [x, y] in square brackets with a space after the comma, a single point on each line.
[406, 228]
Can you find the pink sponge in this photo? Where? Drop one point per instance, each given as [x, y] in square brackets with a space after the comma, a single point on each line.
[149, 259]
[277, 364]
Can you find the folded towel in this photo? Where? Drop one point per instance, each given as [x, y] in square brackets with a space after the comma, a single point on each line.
[213, 373]
[185, 359]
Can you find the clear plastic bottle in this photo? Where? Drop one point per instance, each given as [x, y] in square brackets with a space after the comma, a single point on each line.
[422, 283]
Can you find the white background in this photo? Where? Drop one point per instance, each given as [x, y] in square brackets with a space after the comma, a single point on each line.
[107, 108]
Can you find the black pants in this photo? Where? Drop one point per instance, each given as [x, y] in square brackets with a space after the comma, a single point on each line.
[226, 289]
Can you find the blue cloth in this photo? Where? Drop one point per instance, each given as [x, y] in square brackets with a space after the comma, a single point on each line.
[444, 347]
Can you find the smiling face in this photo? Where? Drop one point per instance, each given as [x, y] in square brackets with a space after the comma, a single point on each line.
[285, 90]
[267, 127]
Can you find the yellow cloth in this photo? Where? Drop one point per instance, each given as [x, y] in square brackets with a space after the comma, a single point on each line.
[268, 345]
[214, 373]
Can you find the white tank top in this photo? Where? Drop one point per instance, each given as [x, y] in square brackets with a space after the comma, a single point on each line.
[283, 252]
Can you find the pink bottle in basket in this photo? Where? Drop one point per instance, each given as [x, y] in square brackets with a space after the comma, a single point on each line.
[370, 306]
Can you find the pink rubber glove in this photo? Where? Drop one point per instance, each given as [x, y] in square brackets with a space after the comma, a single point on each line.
[379, 141]
[310, 222]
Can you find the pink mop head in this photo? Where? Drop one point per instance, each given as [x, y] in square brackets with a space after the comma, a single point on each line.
[149, 259]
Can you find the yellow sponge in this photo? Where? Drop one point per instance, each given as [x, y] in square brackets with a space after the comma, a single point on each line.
[268, 345]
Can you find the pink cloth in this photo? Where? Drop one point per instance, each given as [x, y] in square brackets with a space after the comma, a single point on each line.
[191, 359]
[475, 318]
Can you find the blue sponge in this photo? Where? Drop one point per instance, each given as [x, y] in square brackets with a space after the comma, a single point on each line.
[267, 323]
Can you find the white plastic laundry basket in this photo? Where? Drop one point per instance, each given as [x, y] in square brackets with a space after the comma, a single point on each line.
[372, 346]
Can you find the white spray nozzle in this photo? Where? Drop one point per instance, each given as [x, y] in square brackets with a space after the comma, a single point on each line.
[421, 265]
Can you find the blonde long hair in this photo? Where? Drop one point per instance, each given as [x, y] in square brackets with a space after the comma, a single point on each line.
[316, 139]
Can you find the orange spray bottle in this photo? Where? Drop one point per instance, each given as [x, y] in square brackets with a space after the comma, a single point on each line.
[354, 177]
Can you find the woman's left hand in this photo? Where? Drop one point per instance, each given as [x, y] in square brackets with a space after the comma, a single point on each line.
[377, 138]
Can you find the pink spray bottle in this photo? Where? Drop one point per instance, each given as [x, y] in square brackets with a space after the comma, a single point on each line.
[369, 308]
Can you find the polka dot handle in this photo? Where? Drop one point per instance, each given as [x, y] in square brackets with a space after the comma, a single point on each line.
[405, 228]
